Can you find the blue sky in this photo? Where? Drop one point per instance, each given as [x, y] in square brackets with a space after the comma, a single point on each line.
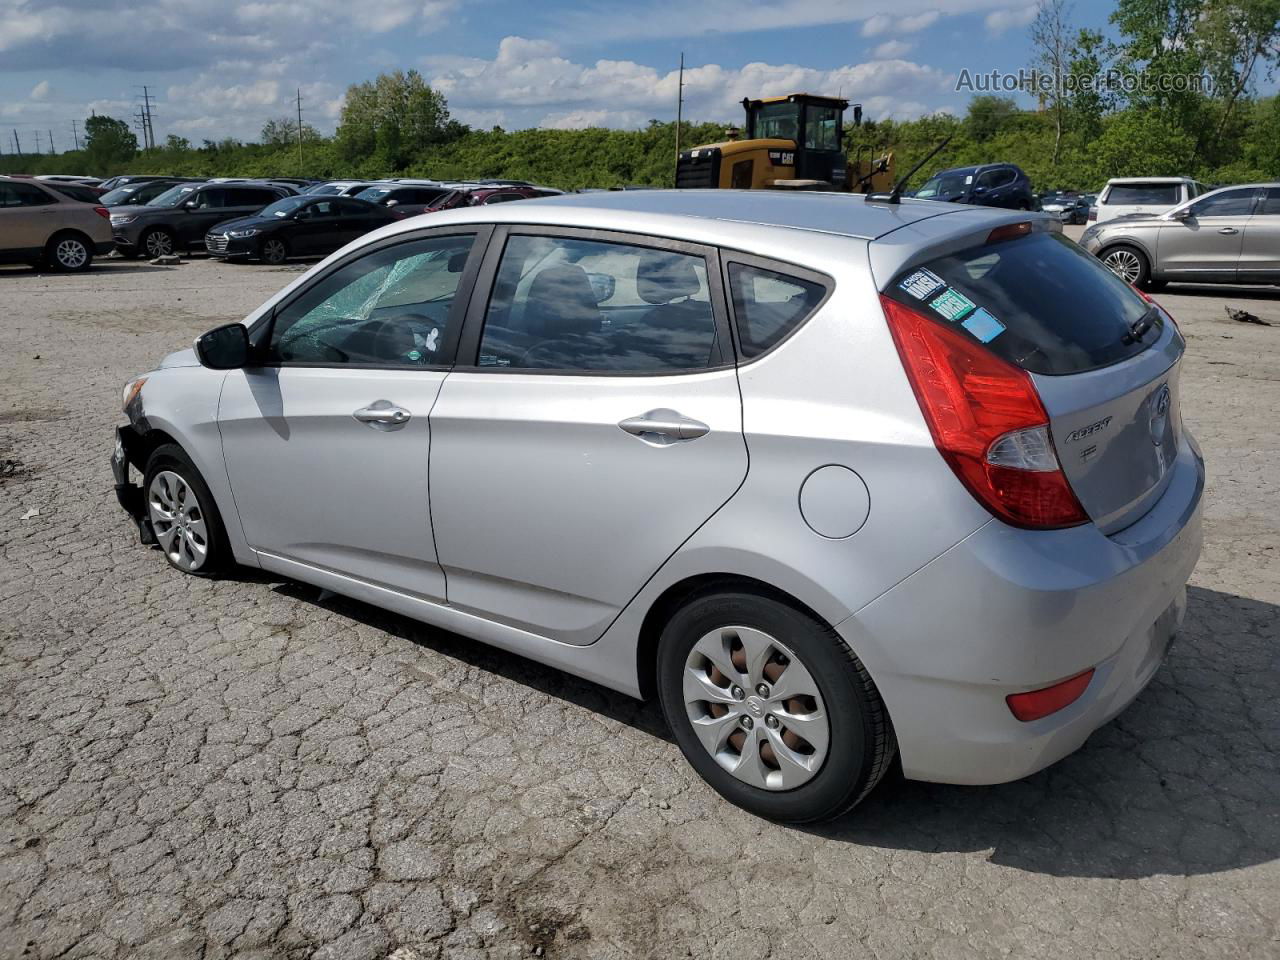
[222, 69]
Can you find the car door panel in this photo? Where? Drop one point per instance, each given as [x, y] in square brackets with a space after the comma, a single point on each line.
[1260, 251]
[551, 505]
[327, 441]
[1206, 245]
[549, 516]
[315, 485]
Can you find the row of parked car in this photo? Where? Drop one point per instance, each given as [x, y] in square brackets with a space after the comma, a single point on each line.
[62, 222]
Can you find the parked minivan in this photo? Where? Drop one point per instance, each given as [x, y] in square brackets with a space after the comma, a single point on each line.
[1151, 195]
[836, 480]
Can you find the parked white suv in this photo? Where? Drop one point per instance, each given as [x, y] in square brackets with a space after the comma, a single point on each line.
[1153, 195]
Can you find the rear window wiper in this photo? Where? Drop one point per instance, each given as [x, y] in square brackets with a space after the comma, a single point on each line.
[1140, 326]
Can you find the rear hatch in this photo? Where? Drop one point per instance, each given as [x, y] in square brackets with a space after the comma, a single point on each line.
[1103, 359]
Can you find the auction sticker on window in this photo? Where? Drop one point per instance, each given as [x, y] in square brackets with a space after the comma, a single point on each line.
[983, 325]
[922, 284]
[952, 304]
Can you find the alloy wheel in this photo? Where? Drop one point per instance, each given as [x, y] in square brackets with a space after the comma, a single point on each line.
[1124, 264]
[178, 521]
[71, 254]
[273, 251]
[756, 708]
[159, 244]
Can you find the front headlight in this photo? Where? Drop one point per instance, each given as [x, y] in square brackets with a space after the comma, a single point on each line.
[122, 218]
[246, 232]
[131, 391]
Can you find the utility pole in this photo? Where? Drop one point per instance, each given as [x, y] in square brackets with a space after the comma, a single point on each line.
[301, 162]
[679, 114]
[17, 144]
[75, 133]
[151, 130]
[51, 150]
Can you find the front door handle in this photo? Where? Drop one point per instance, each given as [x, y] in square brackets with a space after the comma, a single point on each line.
[1228, 230]
[664, 426]
[382, 415]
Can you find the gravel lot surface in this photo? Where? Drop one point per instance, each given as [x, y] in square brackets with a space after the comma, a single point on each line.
[246, 767]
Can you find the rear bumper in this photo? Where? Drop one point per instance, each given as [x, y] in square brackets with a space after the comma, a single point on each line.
[1006, 611]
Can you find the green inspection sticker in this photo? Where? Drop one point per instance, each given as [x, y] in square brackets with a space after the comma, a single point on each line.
[952, 305]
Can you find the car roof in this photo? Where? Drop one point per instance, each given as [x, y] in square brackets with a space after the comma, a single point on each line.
[1150, 180]
[704, 212]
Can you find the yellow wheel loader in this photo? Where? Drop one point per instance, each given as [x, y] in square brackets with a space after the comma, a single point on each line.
[792, 143]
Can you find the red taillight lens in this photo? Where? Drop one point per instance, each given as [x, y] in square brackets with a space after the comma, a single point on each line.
[987, 422]
[1009, 231]
[1040, 703]
[102, 212]
[1093, 215]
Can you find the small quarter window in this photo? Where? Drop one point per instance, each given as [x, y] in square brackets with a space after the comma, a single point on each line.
[768, 306]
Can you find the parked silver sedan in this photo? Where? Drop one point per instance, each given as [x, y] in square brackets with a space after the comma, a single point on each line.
[1231, 235]
[835, 479]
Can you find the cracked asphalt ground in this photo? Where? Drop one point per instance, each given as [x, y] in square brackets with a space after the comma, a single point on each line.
[248, 768]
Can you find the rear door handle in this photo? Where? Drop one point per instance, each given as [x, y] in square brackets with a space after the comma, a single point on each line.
[382, 415]
[664, 426]
[1228, 230]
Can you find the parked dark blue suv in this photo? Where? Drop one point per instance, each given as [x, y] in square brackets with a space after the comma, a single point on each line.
[987, 185]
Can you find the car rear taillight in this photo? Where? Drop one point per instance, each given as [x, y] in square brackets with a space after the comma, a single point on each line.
[1035, 704]
[987, 421]
[102, 212]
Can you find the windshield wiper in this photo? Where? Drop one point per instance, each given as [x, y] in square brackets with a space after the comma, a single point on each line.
[1140, 326]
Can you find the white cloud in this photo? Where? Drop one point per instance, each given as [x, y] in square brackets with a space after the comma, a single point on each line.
[891, 49]
[532, 84]
[40, 91]
[998, 21]
[595, 20]
[882, 23]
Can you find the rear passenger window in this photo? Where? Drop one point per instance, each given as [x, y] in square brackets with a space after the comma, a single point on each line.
[566, 304]
[1144, 193]
[768, 306]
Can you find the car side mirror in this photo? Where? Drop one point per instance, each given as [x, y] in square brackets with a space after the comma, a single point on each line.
[457, 262]
[224, 348]
[189, 205]
[393, 203]
[1182, 214]
[602, 285]
[978, 190]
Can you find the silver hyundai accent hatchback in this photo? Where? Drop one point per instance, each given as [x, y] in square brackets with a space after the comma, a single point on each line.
[836, 480]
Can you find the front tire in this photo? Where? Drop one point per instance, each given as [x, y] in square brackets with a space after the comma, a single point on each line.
[158, 242]
[68, 253]
[274, 251]
[183, 514]
[772, 708]
[1128, 263]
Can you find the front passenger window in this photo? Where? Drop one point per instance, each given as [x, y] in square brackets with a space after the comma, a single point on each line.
[392, 307]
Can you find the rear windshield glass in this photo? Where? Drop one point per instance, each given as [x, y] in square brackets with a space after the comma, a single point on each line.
[1039, 302]
[1144, 193]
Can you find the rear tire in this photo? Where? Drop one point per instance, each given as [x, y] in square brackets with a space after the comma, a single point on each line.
[183, 514]
[68, 252]
[833, 744]
[1128, 263]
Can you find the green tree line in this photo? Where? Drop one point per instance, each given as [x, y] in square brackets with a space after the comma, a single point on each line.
[1078, 136]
